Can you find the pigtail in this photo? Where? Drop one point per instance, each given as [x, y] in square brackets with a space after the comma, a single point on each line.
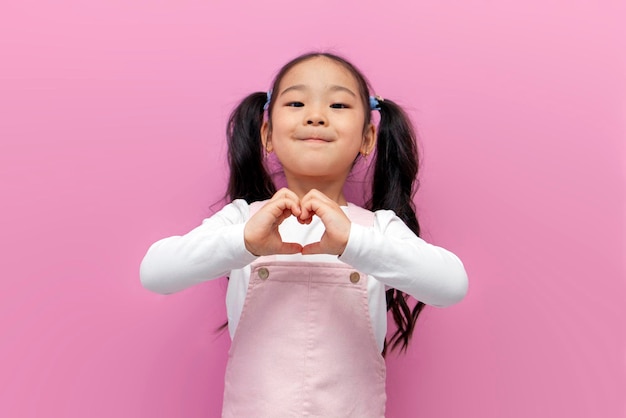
[249, 178]
[396, 165]
[394, 183]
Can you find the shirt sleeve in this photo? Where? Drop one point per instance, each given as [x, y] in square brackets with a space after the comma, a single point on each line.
[207, 252]
[390, 252]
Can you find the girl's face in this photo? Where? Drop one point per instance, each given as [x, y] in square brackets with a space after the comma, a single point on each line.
[317, 127]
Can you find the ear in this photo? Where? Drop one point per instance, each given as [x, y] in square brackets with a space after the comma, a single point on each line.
[369, 140]
[266, 137]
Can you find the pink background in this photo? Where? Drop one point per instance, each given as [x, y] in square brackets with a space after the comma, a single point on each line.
[112, 117]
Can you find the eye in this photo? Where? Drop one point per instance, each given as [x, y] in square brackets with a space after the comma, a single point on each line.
[295, 104]
[339, 106]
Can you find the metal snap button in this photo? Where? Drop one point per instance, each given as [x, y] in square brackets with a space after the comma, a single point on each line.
[355, 277]
[264, 273]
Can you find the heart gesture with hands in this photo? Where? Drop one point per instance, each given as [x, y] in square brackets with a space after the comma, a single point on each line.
[261, 235]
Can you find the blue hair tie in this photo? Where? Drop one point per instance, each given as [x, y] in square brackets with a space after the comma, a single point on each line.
[375, 102]
[269, 99]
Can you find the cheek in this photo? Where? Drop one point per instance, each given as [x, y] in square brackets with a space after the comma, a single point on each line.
[281, 126]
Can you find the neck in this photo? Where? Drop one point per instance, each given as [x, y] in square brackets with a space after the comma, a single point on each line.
[332, 189]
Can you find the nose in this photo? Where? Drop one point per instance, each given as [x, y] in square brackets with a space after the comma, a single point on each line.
[316, 117]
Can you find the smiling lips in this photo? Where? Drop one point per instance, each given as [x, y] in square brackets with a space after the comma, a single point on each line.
[315, 138]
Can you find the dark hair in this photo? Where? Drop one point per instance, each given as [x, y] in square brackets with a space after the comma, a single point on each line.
[394, 178]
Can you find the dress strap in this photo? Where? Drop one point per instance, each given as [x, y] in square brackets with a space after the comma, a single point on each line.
[254, 207]
[360, 216]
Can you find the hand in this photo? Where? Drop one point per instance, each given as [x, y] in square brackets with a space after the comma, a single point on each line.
[337, 224]
[261, 235]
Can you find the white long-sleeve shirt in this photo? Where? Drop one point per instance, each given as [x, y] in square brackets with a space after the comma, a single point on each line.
[388, 252]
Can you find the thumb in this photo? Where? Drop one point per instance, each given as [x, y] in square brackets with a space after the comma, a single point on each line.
[313, 248]
[289, 248]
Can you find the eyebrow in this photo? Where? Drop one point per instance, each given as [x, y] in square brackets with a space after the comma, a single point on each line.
[302, 87]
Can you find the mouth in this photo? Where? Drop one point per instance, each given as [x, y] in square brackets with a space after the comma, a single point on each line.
[315, 139]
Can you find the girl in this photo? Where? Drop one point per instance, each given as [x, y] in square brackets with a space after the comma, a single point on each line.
[311, 275]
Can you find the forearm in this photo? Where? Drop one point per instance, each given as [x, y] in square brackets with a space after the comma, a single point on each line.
[209, 251]
[401, 260]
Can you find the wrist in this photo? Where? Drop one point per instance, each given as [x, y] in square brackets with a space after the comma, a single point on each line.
[249, 247]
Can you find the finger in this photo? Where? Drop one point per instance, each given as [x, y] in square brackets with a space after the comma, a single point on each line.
[336, 222]
[305, 214]
[282, 208]
[285, 193]
[321, 206]
[312, 202]
[305, 205]
[292, 202]
[315, 193]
